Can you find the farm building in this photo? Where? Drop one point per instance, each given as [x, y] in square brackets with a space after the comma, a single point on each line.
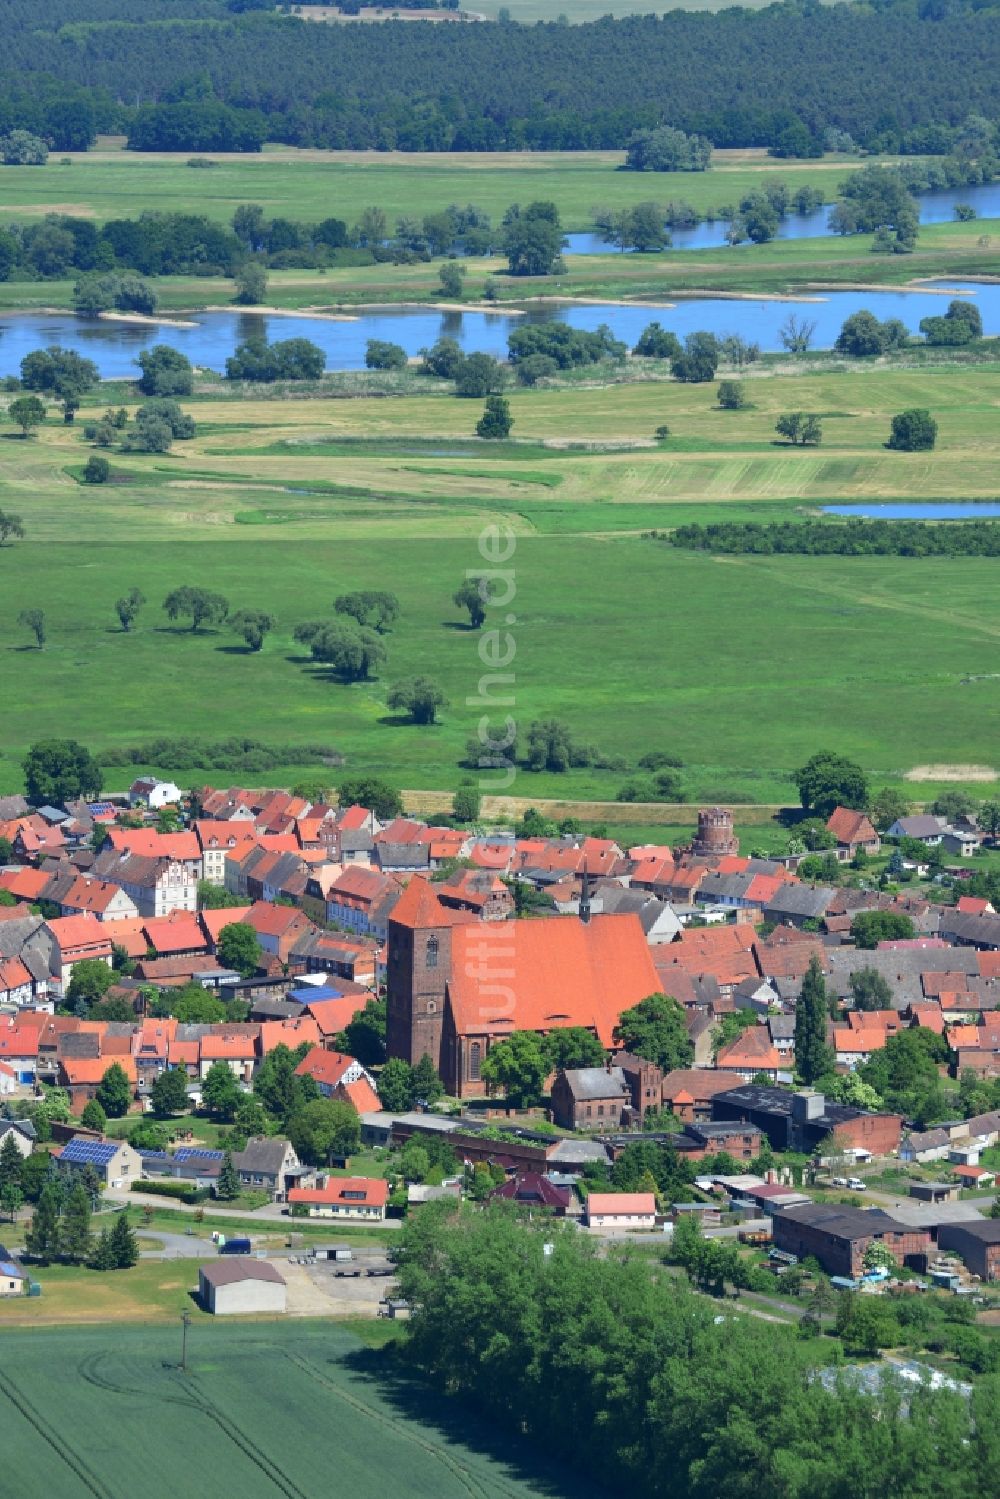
[12, 1278]
[240, 1287]
[977, 1242]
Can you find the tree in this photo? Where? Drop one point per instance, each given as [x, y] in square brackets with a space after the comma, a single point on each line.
[250, 284]
[60, 373]
[466, 804]
[114, 1092]
[253, 625]
[19, 148]
[278, 1088]
[96, 470]
[799, 428]
[665, 149]
[199, 605]
[870, 990]
[220, 1091]
[913, 431]
[124, 1248]
[89, 981]
[496, 420]
[655, 1029]
[165, 372]
[26, 412]
[473, 595]
[796, 334]
[698, 361]
[323, 1130]
[732, 395]
[427, 1085]
[103, 1256]
[369, 792]
[227, 1188]
[353, 652]
[128, 606]
[954, 805]
[239, 948]
[191, 1005]
[418, 697]
[887, 806]
[518, 1065]
[395, 1086]
[479, 376]
[10, 526]
[827, 781]
[33, 620]
[94, 1117]
[869, 928]
[657, 343]
[11, 1163]
[384, 356]
[373, 608]
[861, 336]
[812, 1055]
[74, 1226]
[414, 1162]
[169, 1093]
[11, 1201]
[42, 1237]
[573, 1046]
[59, 770]
[452, 278]
[532, 239]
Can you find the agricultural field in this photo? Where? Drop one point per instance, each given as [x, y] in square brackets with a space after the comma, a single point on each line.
[740, 666]
[265, 1409]
[310, 185]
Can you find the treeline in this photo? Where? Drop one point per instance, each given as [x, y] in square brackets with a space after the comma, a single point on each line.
[856, 538]
[631, 1379]
[197, 77]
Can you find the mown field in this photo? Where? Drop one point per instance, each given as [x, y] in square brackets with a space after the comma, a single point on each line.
[742, 667]
[311, 185]
[266, 1409]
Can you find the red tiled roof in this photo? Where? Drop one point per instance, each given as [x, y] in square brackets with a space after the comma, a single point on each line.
[848, 826]
[273, 920]
[213, 921]
[289, 1033]
[973, 905]
[81, 1070]
[638, 1203]
[81, 931]
[362, 1095]
[238, 1047]
[418, 907]
[182, 1053]
[333, 1015]
[327, 1067]
[178, 932]
[559, 972]
[26, 884]
[962, 1035]
[376, 1192]
[153, 845]
[698, 1082]
[19, 1041]
[753, 1049]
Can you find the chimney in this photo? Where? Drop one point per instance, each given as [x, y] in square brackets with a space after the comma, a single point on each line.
[585, 898]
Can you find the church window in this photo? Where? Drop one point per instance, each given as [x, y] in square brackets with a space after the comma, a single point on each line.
[475, 1058]
[432, 952]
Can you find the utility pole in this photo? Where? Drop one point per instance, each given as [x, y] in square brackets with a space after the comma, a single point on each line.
[185, 1324]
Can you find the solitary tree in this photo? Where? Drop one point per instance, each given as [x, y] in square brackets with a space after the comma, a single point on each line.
[812, 1055]
[796, 334]
[324, 1129]
[60, 373]
[94, 1117]
[128, 606]
[165, 372]
[253, 625]
[199, 605]
[124, 1248]
[798, 427]
[427, 1085]
[27, 412]
[496, 420]
[828, 780]
[228, 1185]
[58, 769]
[466, 804]
[913, 431]
[169, 1092]
[354, 653]
[373, 608]
[96, 470]
[221, 1092]
[239, 948]
[34, 620]
[114, 1092]
[732, 395]
[250, 284]
[472, 595]
[11, 527]
[452, 278]
[419, 697]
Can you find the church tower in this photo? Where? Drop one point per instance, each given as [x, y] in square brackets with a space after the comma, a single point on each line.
[418, 963]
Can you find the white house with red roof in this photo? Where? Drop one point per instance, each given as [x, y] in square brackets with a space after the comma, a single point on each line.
[358, 1199]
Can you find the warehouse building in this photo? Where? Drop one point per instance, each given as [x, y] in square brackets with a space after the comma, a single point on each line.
[241, 1287]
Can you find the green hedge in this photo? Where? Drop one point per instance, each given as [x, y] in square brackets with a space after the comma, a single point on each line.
[179, 1190]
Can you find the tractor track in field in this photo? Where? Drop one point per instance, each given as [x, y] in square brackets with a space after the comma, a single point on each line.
[90, 1480]
[472, 1485]
[246, 1445]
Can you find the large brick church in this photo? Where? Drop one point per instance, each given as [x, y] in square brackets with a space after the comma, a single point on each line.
[457, 984]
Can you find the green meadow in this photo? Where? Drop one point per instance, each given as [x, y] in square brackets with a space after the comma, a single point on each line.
[266, 1408]
[741, 666]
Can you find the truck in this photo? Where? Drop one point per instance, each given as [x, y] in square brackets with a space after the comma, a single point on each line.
[233, 1246]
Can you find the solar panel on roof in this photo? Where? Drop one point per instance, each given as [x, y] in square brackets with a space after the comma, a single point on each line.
[190, 1153]
[88, 1152]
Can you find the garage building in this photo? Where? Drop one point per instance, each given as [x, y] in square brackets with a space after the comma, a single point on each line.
[241, 1287]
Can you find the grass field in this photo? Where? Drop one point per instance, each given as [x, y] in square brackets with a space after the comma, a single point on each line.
[265, 1410]
[741, 666]
[310, 185]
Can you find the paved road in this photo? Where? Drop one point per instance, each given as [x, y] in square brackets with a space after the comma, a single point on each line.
[175, 1246]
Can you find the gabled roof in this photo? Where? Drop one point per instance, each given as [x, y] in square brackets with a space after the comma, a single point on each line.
[848, 826]
[589, 1083]
[560, 972]
[148, 843]
[361, 1095]
[753, 1049]
[81, 1070]
[347, 1191]
[327, 1067]
[179, 932]
[80, 931]
[419, 908]
[617, 1203]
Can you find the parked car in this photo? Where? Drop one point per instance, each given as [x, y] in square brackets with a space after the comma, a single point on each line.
[839, 1181]
[856, 1184]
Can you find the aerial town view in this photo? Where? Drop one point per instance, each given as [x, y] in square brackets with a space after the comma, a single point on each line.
[500, 749]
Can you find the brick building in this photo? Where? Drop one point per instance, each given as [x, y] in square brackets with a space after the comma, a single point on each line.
[839, 1236]
[804, 1120]
[590, 1098]
[742, 1141]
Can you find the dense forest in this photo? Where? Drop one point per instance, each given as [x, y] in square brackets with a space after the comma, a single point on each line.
[856, 538]
[621, 1374]
[205, 75]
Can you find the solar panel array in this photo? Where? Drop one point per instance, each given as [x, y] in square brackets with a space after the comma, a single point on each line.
[190, 1153]
[81, 1152]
